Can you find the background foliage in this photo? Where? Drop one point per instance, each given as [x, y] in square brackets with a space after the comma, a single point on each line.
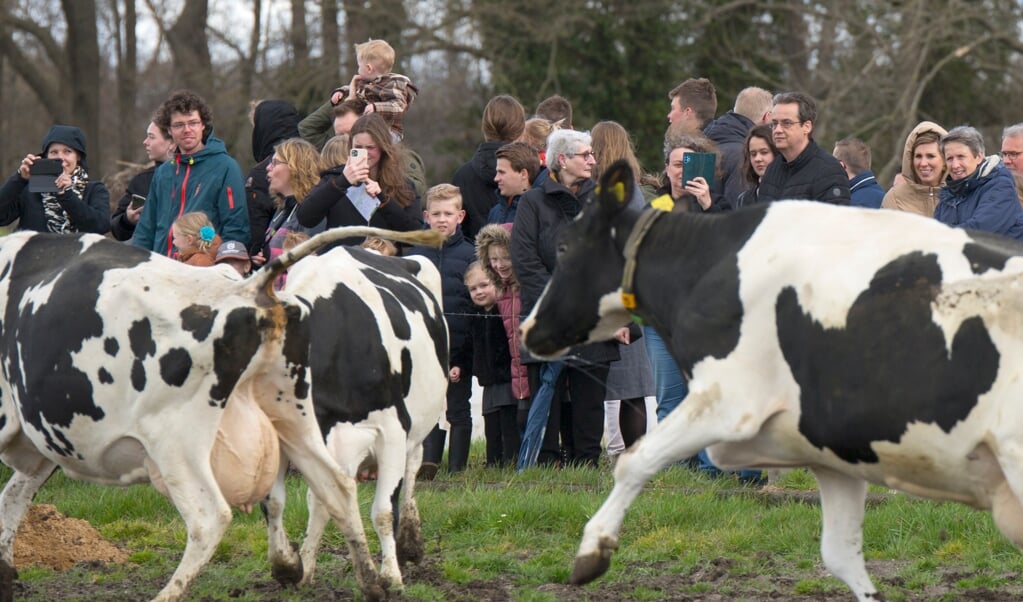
[877, 67]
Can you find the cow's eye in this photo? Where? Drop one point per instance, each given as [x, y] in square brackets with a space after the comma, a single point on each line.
[562, 249]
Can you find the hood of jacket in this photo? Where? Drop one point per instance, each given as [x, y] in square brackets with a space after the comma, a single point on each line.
[214, 146]
[273, 121]
[69, 135]
[484, 162]
[730, 127]
[907, 152]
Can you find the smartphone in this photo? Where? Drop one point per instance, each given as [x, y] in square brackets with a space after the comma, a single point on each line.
[698, 165]
[43, 175]
[137, 200]
[358, 154]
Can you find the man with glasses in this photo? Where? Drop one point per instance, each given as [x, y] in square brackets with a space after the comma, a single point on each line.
[1012, 148]
[803, 170]
[201, 176]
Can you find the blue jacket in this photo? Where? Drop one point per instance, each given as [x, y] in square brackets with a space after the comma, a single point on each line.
[209, 181]
[451, 260]
[985, 201]
[865, 191]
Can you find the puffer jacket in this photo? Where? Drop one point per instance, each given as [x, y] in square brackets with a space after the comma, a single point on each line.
[985, 200]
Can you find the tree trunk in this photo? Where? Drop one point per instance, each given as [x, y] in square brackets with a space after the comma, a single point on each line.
[331, 71]
[191, 49]
[83, 64]
[127, 79]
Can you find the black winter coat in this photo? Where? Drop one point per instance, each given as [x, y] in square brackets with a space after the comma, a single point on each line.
[328, 199]
[120, 227]
[542, 215]
[451, 260]
[491, 358]
[475, 179]
[814, 175]
[273, 122]
[729, 133]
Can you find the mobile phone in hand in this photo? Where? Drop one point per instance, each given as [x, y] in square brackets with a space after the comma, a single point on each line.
[137, 200]
[698, 165]
[43, 175]
[358, 154]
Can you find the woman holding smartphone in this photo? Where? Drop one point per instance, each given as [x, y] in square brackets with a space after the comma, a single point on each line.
[372, 183]
[71, 203]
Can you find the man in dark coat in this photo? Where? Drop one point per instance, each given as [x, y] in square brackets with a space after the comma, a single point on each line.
[854, 155]
[804, 170]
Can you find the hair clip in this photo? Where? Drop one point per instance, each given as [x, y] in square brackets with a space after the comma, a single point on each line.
[206, 233]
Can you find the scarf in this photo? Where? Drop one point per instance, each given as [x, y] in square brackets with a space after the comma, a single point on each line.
[57, 219]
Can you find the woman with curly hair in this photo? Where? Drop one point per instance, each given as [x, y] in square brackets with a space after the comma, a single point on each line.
[371, 189]
[293, 171]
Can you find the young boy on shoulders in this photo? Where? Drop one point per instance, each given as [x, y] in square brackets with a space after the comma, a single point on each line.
[444, 214]
[389, 94]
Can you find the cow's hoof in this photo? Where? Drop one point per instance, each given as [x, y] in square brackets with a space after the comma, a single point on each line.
[589, 567]
[288, 574]
[411, 547]
[375, 593]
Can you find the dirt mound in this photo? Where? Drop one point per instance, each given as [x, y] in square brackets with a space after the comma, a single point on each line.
[48, 538]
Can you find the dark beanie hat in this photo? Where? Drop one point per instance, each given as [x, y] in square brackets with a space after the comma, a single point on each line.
[66, 134]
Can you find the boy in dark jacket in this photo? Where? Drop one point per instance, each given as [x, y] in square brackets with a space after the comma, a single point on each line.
[444, 214]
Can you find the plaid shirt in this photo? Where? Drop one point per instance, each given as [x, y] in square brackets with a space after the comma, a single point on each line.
[391, 95]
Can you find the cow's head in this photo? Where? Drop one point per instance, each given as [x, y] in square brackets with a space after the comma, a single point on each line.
[583, 302]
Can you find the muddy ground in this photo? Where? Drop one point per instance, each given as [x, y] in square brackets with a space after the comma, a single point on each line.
[72, 546]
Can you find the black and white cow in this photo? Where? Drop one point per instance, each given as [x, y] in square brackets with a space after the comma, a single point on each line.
[379, 361]
[870, 346]
[117, 365]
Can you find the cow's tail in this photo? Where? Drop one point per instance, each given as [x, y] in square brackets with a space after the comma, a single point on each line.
[262, 281]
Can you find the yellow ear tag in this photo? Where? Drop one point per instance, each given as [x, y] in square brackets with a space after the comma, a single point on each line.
[619, 191]
[663, 203]
[629, 301]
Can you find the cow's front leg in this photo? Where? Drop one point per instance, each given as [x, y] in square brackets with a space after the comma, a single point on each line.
[682, 434]
[285, 562]
[842, 504]
[14, 502]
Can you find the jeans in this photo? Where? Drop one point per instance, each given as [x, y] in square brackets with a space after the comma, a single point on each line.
[671, 390]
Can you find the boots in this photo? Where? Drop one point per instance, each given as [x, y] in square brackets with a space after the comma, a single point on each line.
[433, 451]
[458, 450]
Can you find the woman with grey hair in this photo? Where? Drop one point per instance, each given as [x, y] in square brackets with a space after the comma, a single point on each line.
[543, 213]
[979, 193]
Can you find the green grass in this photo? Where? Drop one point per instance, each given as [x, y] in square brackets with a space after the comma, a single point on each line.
[517, 534]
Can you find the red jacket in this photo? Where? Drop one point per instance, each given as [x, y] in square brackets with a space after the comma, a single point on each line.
[510, 306]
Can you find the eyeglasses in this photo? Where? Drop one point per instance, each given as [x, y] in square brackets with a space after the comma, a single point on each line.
[177, 127]
[1011, 155]
[784, 124]
[586, 156]
[277, 162]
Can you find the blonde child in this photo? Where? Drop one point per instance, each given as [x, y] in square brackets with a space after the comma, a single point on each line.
[493, 250]
[444, 214]
[195, 239]
[390, 94]
[491, 365]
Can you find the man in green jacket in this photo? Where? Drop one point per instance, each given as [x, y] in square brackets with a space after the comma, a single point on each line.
[200, 177]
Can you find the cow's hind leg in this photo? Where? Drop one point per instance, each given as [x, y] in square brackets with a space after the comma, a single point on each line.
[843, 499]
[285, 562]
[196, 495]
[410, 526]
[14, 503]
[681, 434]
[390, 454]
[336, 492]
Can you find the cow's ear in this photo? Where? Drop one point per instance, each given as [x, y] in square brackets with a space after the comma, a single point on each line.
[616, 186]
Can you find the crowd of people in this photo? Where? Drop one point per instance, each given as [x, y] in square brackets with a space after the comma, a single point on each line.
[501, 214]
